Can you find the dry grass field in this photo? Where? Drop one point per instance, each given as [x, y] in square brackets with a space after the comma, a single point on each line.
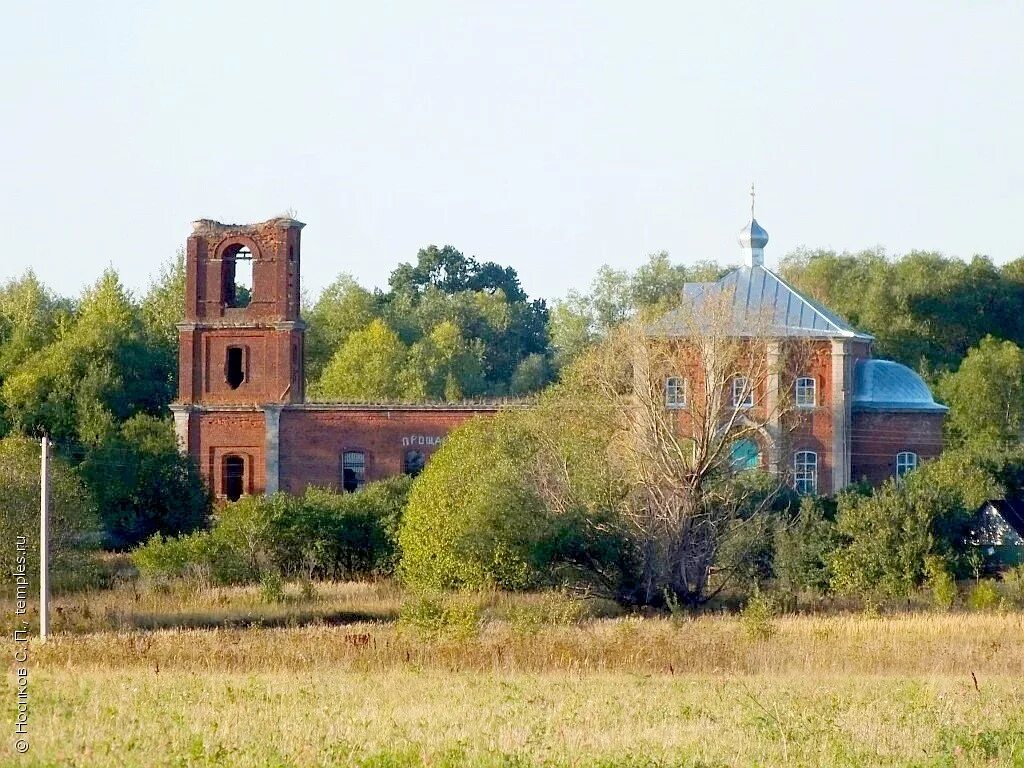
[333, 679]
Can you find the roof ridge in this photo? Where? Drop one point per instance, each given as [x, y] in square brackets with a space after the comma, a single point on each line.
[814, 307]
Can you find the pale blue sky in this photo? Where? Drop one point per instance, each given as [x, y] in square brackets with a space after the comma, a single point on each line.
[554, 137]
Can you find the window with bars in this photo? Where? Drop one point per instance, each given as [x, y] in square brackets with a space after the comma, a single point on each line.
[806, 392]
[742, 393]
[906, 461]
[675, 392]
[805, 472]
[353, 470]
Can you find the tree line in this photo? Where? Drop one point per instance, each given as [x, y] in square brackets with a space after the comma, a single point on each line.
[96, 372]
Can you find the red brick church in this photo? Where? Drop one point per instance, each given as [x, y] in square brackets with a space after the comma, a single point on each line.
[241, 409]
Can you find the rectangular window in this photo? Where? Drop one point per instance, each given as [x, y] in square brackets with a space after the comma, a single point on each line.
[353, 470]
[806, 392]
[235, 367]
[742, 393]
[675, 392]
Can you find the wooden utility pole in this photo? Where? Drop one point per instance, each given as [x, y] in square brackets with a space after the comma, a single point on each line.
[44, 541]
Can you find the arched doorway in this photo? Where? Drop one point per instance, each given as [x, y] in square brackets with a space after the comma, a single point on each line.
[744, 454]
[234, 477]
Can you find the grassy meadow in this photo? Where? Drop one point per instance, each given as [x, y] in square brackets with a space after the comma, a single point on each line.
[358, 674]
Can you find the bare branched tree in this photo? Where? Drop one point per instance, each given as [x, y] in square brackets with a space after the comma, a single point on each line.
[701, 397]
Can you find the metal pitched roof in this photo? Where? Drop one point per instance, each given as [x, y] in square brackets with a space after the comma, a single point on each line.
[759, 295]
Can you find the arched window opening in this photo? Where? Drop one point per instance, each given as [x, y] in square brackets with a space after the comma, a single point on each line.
[744, 455]
[353, 470]
[235, 372]
[806, 392]
[675, 392]
[237, 276]
[805, 472]
[906, 462]
[234, 477]
[414, 462]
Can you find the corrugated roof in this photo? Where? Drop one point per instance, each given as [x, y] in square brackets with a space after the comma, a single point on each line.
[761, 297]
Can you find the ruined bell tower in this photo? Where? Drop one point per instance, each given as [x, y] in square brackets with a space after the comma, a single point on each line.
[241, 342]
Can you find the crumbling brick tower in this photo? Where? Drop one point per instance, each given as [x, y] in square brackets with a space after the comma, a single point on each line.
[240, 347]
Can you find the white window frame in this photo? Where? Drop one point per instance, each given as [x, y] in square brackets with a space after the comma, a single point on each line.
[906, 461]
[739, 384]
[676, 392]
[802, 387]
[805, 472]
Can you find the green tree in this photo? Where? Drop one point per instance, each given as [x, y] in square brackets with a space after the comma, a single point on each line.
[143, 484]
[986, 395]
[448, 367]
[343, 308]
[74, 527]
[370, 365]
[160, 311]
[97, 371]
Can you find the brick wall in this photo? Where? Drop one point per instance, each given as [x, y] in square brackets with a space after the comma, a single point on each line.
[877, 438]
[215, 435]
[313, 441]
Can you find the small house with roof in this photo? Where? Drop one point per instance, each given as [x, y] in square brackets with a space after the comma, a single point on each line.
[854, 417]
[998, 531]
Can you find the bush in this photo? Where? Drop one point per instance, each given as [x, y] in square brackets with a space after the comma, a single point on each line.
[885, 538]
[471, 522]
[271, 587]
[803, 546]
[984, 596]
[342, 535]
[437, 614]
[1013, 581]
[940, 582]
[319, 534]
[758, 616]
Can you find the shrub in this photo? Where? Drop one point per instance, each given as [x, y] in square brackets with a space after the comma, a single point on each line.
[940, 582]
[471, 522]
[321, 533]
[203, 552]
[271, 587]
[437, 614]
[342, 535]
[803, 546]
[984, 596]
[1013, 581]
[885, 538]
[758, 616]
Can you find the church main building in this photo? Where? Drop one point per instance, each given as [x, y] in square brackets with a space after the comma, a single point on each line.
[241, 409]
[850, 417]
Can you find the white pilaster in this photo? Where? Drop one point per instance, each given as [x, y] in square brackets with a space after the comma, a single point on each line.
[841, 395]
[272, 449]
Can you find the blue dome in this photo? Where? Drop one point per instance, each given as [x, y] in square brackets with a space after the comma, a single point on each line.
[753, 235]
[882, 385]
